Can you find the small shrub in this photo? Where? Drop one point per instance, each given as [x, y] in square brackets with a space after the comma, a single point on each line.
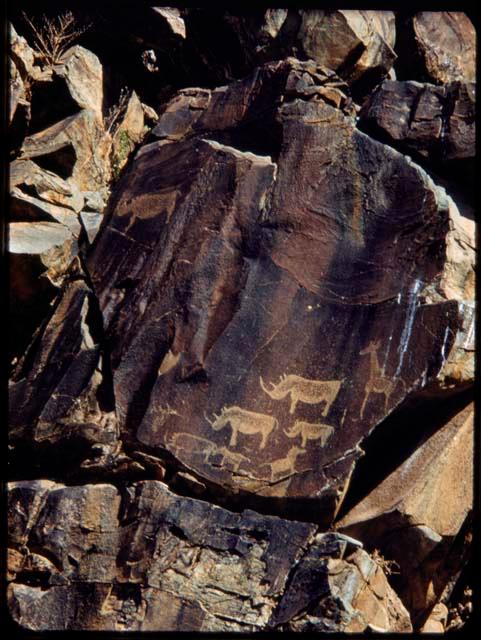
[117, 111]
[53, 36]
[121, 154]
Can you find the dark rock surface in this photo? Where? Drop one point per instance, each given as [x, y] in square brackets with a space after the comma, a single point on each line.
[146, 559]
[242, 283]
[437, 122]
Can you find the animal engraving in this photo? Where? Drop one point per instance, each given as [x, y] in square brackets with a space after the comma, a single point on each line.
[310, 431]
[303, 390]
[242, 421]
[285, 465]
[377, 382]
[164, 412]
[231, 457]
[193, 444]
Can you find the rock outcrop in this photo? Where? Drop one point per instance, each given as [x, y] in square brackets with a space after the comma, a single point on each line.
[142, 559]
[227, 308]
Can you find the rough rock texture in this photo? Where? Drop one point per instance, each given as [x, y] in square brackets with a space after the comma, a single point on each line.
[447, 43]
[437, 122]
[242, 282]
[278, 268]
[145, 559]
[428, 507]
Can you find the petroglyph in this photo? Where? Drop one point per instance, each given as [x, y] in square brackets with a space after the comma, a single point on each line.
[303, 390]
[310, 431]
[164, 412]
[196, 444]
[243, 421]
[285, 465]
[231, 458]
[377, 382]
[191, 443]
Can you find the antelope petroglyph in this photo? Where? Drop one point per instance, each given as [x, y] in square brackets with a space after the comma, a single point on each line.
[242, 421]
[310, 431]
[231, 457]
[303, 390]
[285, 465]
[377, 382]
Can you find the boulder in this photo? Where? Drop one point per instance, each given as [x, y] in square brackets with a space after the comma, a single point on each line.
[416, 514]
[128, 134]
[348, 592]
[351, 42]
[22, 54]
[77, 147]
[139, 558]
[39, 256]
[173, 18]
[435, 122]
[82, 72]
[446, 42]
[276, 235]
[17, 94]
[27, 177]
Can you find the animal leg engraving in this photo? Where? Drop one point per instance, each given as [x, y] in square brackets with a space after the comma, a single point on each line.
[243, 421]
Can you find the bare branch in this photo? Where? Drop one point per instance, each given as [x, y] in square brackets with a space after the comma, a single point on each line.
[117, 111]
[53, 36]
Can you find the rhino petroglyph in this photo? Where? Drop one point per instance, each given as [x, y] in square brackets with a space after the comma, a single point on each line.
[303, 390]
[310, 431]
[243, 421]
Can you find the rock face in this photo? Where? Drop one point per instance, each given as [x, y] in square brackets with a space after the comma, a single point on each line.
[174, 558]
[436, 122]
[447, 44]
[243, 322]
[430, 506]
[276, 262]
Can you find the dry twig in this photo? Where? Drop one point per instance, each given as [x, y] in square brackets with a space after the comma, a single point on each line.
[53, 36]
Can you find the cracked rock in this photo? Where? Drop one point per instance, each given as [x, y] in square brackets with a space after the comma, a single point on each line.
[415, 515]
[138, 558]
[436, 122]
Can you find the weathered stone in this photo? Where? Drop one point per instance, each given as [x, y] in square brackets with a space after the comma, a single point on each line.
[348, 592]
[173, 18]
[17, 91]
[436, 623]
[91, 222]
[351, 42]
[150, 114]
[274, 236]
[283, 258]
[40, 397]
[436, 122]
[82, 72]
[447, 43]
[77, 148]
[52, 242]
[415, 514]
[111, 559]
[23, 55]
[39, 256]
[129, 133]
[26, 176]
